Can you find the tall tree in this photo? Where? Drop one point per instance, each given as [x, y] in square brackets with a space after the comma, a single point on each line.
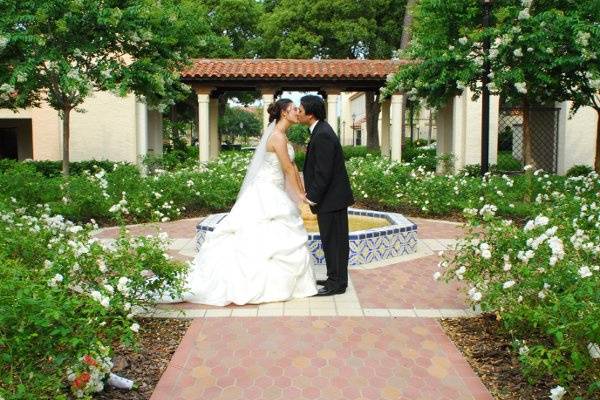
[404, 42]
[60, 51]
[237, 22]
[336, 29]
[542, 52]
[239, 124]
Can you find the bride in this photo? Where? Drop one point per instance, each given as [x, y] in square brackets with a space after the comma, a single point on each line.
[258, 253]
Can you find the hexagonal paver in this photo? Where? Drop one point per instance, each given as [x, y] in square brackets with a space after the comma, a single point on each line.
[408, 284]
[318, 358]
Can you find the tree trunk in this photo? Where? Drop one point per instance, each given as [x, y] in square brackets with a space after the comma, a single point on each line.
[173, 118]
[527, 148]
[406, 24]
[404, 41]
[372, 107]
[597, 160]
[66, 117]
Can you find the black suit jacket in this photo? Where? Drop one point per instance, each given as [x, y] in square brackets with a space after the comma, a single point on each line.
[325, 176]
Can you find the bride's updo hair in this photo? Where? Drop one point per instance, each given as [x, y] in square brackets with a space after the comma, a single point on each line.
[276, 108]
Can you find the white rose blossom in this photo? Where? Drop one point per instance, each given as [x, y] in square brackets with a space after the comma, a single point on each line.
[585, 272]
[521, 87]
[508, 284]
[524, 14]
[557, 393]
[594, 350]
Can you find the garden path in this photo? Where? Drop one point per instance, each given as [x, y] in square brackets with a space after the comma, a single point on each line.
[379, 340]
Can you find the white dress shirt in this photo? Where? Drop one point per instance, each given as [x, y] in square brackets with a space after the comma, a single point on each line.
[312, 126]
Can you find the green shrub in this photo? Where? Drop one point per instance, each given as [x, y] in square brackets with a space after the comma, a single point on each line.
[471, 170]
[579, 170]
[53, 169]
[419, 156]
[506, 163]
[540, 279]
[298, 134]
[64, 295]
[299, 159]
[357, 151]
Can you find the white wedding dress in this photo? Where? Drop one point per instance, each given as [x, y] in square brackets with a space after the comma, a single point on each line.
[258, 253]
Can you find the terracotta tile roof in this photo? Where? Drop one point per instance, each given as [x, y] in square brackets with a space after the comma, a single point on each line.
[290, 68]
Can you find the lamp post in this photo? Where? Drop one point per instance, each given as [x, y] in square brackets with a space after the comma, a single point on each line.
[353, 139]
[485, 92]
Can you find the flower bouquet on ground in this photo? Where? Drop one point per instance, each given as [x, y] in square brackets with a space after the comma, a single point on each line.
[92, 372]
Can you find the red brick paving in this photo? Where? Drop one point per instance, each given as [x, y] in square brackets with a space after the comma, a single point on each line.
[430, 229]
[184, 228]
[408, 284]
[327, 358]
[318, 358]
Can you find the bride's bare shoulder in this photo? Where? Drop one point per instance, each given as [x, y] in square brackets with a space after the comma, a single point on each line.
[277, 139]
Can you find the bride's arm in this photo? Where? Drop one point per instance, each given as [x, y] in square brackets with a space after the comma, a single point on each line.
[278, 144]
[299, 179]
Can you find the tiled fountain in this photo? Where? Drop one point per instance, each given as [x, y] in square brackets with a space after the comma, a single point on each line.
[397, 237]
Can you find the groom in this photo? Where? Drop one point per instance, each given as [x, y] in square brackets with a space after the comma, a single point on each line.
[328, 192]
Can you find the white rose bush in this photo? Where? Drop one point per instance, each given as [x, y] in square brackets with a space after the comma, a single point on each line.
[66, 298]
[122, 193]
[541, 279]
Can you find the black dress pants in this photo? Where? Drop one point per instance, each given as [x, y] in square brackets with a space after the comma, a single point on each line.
[333, 227]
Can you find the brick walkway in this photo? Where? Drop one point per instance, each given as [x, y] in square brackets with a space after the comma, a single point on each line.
[379, 340]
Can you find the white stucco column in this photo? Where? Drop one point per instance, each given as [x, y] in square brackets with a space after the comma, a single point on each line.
[214, 144]
[141, 133]
[396, 128]
[346, 119]
[576, 137]
[385, 128]
[267, 98]
[460, 118]
[332, 103]
[443, 123]
[466, 130]
[203, 126]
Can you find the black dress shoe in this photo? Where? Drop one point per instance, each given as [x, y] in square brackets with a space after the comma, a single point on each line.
[325, 291]
[321, 282]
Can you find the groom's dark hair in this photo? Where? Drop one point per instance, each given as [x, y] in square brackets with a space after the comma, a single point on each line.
[313, 105]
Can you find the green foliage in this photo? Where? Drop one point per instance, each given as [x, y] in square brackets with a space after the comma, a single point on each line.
[236, 23]
[541, 51]
[540, 279]
[173, 160]
[61, 51]
[238, 124]
[52, 168]
[506, 162]
[176, 133]
[418, 155]
[357, 151]
[299, 159]
[70, 48]
[298, 134]
[332, 29]
[579, 170]
[63, 295]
